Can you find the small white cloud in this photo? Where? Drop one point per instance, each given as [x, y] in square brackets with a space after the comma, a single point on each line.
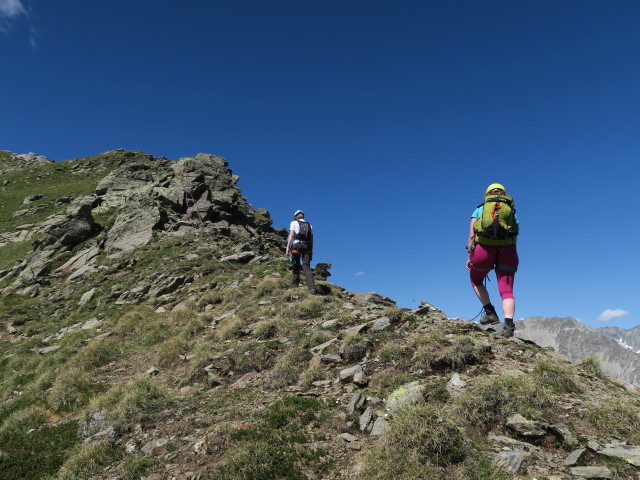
[11, 8]
[9, 11]
[609, 315]
[359, 274]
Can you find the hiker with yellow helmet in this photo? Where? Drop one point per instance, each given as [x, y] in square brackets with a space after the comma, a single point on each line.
[492, 244]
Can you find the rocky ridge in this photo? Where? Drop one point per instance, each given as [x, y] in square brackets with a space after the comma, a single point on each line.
[129, 348]
[577, 341]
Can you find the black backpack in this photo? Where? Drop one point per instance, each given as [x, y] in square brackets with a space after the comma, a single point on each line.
[305, 231]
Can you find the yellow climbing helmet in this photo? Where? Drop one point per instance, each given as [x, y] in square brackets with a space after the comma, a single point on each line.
[495, 185]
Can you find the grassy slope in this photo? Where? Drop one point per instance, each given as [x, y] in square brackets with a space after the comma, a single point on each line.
[267, 430]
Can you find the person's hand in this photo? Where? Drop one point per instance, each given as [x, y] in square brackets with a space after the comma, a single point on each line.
[286, 254]
[468, 264]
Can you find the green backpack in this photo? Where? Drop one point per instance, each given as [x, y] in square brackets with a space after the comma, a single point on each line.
[497, 224]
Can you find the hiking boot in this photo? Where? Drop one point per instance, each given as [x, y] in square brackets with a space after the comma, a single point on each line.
[490, 318]
[509, 328]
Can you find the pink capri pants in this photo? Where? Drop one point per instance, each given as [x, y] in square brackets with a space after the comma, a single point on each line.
[505, 261]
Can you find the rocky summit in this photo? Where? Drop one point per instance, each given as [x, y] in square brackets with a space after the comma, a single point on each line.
[148, 331]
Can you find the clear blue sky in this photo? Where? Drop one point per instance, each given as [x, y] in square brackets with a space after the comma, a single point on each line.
[383, 120]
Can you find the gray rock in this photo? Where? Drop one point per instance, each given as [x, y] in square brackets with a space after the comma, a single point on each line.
[511, 461]
[525, 427]
[456, 385]
[372, 297]
[365, 419]
[32, 198]
[356, 330]
[319, 349]
[155, 447]
[594, 473]
[518, 445]
[628, 453]
[373, 401]
[167, 285]
[331, 358]
[357, 401]
[91, 323]
[381, 324]
[79, 260]
[213, 380]
[50, 349]
[81, 272]
[349, 372]
[361, 379]
[426, 308]
[87, 296]
[405, 394]
[132, 230]
[594, 446]
[242, 257]
[73, 228]
[379, 426]
[563, 433]
[331, 324]
[152, 371]
[574, 457]
[347, 437]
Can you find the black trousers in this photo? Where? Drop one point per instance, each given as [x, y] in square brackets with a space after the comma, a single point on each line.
[303, 260]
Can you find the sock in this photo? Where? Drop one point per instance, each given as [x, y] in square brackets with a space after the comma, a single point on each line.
[489, 308]
[508, 321]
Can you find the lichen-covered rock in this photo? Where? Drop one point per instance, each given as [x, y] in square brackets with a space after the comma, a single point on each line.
[407, 393]
[132, 230]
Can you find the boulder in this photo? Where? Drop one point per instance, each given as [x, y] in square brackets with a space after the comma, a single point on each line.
[73, 228]
[405, 394]
[510, 461]
[132, 230]
[574, 457]
[630, 454]
[349, 372]
[381, 324]
[526, 428]
[594, 473]
[379, 427]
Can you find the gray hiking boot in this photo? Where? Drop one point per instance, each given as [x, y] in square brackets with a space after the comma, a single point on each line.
[508, 329]
[490, 318]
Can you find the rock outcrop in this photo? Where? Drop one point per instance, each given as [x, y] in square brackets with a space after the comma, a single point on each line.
[144, 196]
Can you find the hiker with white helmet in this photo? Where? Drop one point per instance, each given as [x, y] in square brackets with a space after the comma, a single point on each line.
[300, 250]
[492, 244]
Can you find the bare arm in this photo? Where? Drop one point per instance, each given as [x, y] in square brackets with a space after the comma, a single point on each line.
[291, 234]
[472, 234]
[471, 241]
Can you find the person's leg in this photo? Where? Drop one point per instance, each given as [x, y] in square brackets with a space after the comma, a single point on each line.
[308, 274]
[295, 270]
[482, 260]
[506, 268]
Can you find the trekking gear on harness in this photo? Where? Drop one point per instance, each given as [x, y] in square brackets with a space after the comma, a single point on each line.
[497, 225]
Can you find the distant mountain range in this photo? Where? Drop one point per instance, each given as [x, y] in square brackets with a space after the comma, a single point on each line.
[617, 349]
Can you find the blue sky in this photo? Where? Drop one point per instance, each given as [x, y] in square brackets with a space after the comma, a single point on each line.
[384, 121]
